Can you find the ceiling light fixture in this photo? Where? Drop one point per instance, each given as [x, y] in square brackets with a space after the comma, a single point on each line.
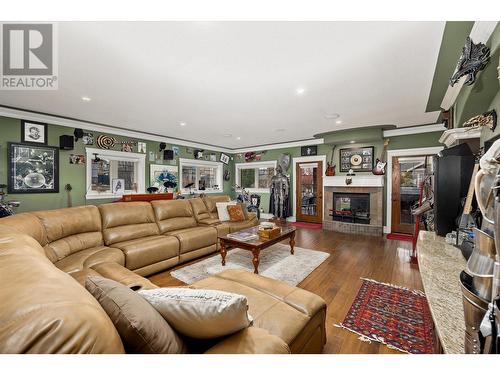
[227, 135]
[280, 130]
[338, 122]
[352, 142]
[332, 116]
[182, 124]
[300, 91]
[238, 138]
[86, 99]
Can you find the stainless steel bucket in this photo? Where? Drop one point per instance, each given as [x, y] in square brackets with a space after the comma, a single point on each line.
[481, 263]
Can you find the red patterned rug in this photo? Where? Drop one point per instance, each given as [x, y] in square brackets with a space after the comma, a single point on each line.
[392, 315]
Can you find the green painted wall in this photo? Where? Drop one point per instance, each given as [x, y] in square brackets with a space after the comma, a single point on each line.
[10, 130]
[455, 33]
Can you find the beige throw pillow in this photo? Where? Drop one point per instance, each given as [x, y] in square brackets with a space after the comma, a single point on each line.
[222, 210]
[198, 313]
[141, 328]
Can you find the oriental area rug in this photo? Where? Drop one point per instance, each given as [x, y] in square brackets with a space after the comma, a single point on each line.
[392, 315]
[276, 262]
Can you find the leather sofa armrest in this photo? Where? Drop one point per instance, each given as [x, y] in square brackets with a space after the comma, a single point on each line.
[250, 340]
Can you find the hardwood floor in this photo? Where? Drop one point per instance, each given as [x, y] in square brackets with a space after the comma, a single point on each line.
[337, 280]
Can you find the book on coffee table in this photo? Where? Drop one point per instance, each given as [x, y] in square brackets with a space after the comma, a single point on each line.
[244, 235]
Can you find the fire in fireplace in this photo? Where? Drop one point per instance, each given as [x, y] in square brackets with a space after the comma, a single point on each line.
[351, 207]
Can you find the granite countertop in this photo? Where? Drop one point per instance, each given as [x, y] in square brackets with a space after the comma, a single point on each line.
[440, 265]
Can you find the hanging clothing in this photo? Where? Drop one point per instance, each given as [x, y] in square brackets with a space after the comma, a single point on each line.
[279, 202]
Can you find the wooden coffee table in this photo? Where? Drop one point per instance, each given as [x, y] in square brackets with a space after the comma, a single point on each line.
[255, 246]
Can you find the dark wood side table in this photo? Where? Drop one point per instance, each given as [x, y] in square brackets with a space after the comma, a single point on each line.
[255, 246]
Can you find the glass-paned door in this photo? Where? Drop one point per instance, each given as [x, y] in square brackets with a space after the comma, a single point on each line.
[309, 192]
[408, 173]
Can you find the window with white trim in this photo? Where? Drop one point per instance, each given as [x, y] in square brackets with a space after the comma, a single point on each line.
[256, 176]
[106, 167]
[205, 176]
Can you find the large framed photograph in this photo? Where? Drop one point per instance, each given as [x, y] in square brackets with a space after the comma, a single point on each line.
[163, 177]
[32, 169]
[34, 132]
[359, 159]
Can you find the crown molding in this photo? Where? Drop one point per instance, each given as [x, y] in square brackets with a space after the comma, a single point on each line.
[414, 130]
[90, 126]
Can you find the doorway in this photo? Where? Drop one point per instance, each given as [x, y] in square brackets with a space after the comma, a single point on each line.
[309, 192]
[407, 174]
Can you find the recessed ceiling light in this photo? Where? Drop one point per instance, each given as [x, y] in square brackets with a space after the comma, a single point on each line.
[352, 142]
[300, 91]
[182, 123]
[338, 122]
[238, 138]
[332, 116]
[86, 99]
[227, 135]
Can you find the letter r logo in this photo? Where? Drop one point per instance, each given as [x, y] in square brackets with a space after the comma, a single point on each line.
[27, 49]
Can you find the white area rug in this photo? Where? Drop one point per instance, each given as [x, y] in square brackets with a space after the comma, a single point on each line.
[276, 262]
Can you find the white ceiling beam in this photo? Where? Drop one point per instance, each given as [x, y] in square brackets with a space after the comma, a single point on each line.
[480, 33]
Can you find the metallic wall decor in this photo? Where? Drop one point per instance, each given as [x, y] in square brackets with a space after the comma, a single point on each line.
[106, 142]
[488, 119]
[474, 58]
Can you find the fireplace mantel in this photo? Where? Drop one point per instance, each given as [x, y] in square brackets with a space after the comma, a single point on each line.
[357, 181]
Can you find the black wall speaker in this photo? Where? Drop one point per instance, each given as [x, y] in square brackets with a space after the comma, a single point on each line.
[66, 142]
[168, 155]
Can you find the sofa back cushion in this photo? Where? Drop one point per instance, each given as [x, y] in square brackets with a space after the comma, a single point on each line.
[199, 209]
[211, 204]
[45, 310]
[27, 223]
[125, 221]
[173, 214]
[70, 230]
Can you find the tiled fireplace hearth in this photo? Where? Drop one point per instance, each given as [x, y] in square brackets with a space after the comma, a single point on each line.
[356, 208]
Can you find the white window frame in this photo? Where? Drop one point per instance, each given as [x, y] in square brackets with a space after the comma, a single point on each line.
[202, 163]
[113, 155]
[254, 165]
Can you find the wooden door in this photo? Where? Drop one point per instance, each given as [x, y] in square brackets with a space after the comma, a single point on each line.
[309, 192]
[407, 174]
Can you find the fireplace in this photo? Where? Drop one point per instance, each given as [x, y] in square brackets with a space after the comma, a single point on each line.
[354, 209]
[351, 207]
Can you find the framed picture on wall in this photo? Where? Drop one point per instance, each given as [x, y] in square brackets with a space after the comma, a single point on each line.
[359, 159]
[32, 169]
[34, 132]
[309, 150]
[118, 186]
[159, 175]
[224, 158]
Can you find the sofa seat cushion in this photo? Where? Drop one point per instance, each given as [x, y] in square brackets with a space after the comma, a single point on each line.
[117, 272]
[277, 307]
[210, 221]
[195, 238]
[90, 257]
[148, 250]
[235, 226]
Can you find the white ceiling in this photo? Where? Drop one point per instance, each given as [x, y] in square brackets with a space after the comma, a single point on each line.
[240, 78]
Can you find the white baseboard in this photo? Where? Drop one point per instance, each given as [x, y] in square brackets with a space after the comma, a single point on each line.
[386, 229]
[291, 219]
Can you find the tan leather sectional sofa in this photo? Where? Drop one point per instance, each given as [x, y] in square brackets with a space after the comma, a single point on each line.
[45, 256]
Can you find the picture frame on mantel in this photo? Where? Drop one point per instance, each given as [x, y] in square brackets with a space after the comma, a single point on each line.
[359, 159]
